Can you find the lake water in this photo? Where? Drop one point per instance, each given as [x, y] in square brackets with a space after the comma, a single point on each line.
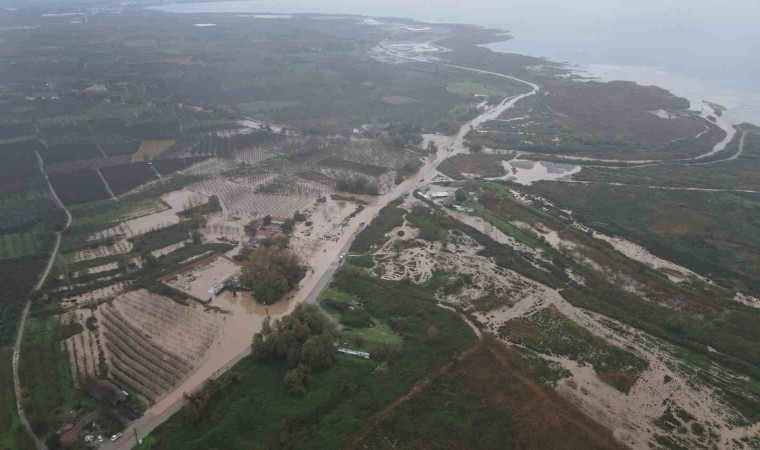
[699, 49]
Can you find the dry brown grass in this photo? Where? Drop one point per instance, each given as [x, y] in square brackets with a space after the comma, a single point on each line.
[492, 382]
[152, 149]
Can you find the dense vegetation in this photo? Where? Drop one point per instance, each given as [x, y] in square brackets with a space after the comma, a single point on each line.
[489, 399]
[163, 237]
[338, 400]
[17, 278]
[124, 178]
[46, 378]
[12, 433]
[720, 242]
[271, 272]
[304, 337]
[80, 186]
[550, 332]
[374, 234]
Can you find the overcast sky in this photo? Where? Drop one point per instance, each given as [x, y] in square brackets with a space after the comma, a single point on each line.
[543, 10]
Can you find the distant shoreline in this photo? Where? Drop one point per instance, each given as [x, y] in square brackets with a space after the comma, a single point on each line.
[742, 105]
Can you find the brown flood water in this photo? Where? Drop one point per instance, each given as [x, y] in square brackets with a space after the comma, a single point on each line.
[245, 317]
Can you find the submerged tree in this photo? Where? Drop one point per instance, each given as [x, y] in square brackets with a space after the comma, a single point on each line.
[272, 271]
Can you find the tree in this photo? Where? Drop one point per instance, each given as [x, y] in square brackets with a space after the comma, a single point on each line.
[287, 225]
[398, 245]
[432, 147]
[304, 337]
[475, 147]
[317, 351]
[460, 195]
[267, 220]
[271, 272]
[296, 379]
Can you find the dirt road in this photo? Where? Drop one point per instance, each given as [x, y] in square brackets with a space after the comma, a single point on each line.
[415, 390]
[22, 323]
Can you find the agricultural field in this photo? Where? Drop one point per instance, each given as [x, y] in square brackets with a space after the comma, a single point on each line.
[13, 434]
[241, 200]
[124, 178]
[338, 412]
[77, 187]
[475, 166]
[16, 245]
[20, 167]
[70, 151]
[152, 342]
[247, 197]
[47, 369]
[17, 277]
[168, 166]
[22, 211]
[113, 146]
[150, 150]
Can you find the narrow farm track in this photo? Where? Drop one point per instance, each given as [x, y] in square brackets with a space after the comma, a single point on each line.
[564, 159]
[664, 188]
[22, 322]
[414, 391]
[105, 183]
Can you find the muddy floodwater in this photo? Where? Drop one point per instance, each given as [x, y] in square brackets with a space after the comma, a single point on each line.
[177, 201]
[241, 318]
[527, 172]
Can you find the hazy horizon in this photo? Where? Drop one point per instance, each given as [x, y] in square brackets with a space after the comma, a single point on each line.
[699, 49]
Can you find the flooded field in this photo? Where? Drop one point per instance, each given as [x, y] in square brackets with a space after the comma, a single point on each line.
[527, 172]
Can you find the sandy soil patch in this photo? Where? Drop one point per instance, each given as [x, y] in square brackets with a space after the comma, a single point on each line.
[118, 248]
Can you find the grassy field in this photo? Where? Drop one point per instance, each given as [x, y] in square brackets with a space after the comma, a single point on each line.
[25, 244]
[338, 400]
[349, 311]
[152, 149]
[479, 165]
[693, 316]
[489, 399]
[551, 332]
[716, 234]
[373, 234]
[12, 434]
[742, 173]
[47, 389]
[110, 212]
